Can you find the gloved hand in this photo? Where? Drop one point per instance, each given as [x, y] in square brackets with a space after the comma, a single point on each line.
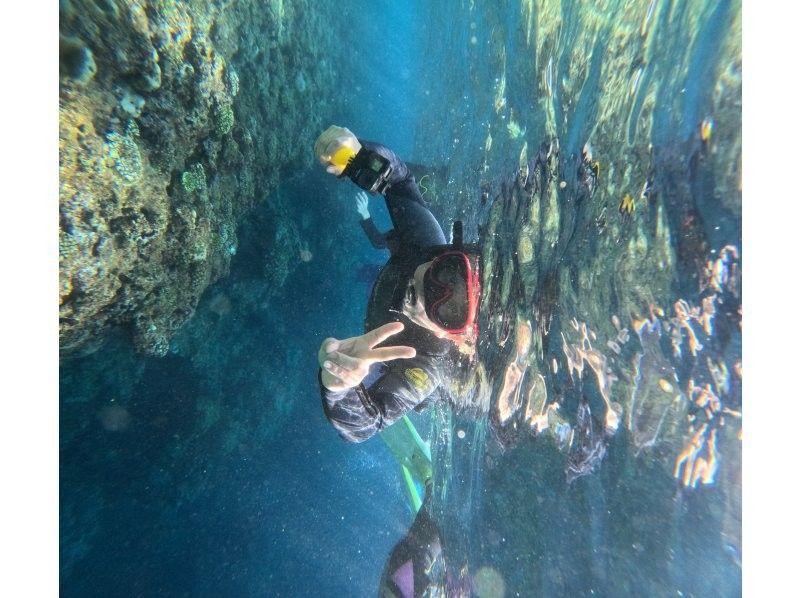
[346, 363]
[335, 147]
[362, 201]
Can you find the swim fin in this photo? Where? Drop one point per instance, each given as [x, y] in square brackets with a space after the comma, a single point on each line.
[414, 457]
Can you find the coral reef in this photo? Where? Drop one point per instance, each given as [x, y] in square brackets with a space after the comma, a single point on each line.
[175, 119]
[76, 61]
[224, 120]
[194, 179]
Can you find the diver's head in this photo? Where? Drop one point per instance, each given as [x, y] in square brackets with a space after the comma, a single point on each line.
[335, 148]
[443, 297]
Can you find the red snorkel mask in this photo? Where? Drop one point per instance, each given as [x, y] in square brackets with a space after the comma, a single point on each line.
[452, 292]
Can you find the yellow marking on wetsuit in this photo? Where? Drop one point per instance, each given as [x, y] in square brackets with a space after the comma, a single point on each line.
[627, 205]
[418, 378]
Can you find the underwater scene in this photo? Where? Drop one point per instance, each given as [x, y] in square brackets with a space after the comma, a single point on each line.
[376, 298]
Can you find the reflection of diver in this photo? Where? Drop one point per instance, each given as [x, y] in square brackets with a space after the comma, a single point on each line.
[426, 298]
[407, 572]
[589, 448]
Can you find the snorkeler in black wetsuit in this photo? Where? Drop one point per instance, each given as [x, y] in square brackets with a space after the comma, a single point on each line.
[425, 299]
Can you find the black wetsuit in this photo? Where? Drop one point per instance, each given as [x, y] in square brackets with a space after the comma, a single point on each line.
[405, 574]
[378, 239]
[394, 388]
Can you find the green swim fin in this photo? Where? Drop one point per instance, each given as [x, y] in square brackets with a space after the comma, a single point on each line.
[413, 455]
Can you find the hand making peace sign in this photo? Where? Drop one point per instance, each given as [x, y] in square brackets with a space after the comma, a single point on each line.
[345, 363]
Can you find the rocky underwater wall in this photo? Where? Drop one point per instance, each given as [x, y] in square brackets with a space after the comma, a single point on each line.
[183, 228]
[176, 118]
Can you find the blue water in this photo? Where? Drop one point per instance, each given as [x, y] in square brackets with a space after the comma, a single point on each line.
[290, 510]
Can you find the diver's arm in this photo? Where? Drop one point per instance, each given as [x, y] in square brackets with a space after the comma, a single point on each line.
[359, 412]
[375, 237]
[343, 154]
[414, 224]
[400, 172]
[401, 182]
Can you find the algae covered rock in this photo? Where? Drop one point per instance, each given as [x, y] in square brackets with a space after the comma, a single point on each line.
[165, 145]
